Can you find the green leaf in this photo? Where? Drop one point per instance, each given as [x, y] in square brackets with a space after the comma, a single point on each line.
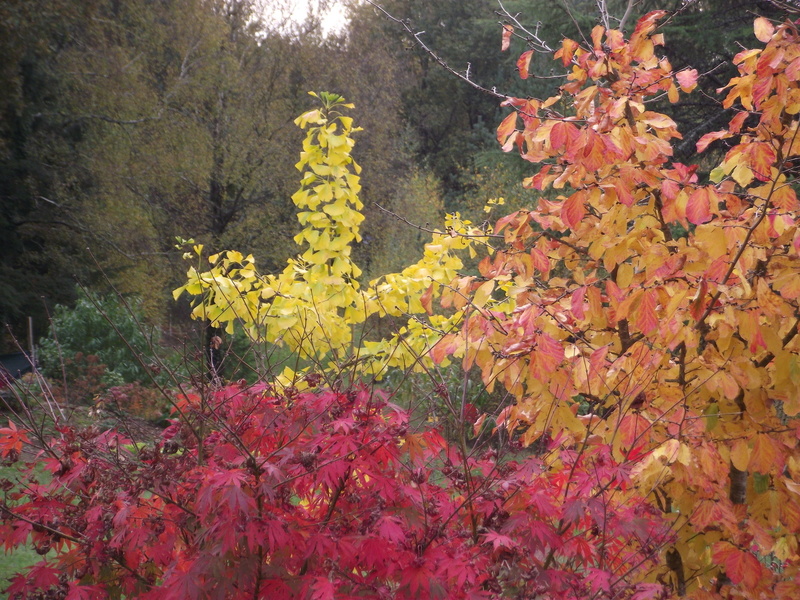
[712, 416]
[717, 174]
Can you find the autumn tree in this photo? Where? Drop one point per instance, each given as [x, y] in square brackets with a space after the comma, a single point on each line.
[125, 125]
[661, 307]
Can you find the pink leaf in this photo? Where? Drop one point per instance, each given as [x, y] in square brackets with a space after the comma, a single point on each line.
[687, 79]
[698, 207]
[507, 31]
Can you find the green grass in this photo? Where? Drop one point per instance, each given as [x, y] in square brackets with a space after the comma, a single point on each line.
[13, 563]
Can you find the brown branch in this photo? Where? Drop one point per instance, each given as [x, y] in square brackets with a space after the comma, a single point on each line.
[675, 564]
[738, 491]
[786, 339]
[436, 231]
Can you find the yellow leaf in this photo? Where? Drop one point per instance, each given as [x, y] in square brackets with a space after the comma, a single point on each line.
[483, 293]
[763, 29]
[742, 175]
[684, 455]
[624, 275]
[740, 455]
[764, 457]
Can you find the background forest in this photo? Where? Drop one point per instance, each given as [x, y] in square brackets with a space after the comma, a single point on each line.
[126, 124]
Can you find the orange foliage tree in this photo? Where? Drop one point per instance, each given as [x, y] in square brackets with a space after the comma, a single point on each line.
[655, 309]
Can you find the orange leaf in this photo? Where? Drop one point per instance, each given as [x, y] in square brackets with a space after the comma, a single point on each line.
[634, 429]
[698, 305]
[507, 31]
[443, 348]
[698, 207]
[765, 457]
[595, 153]
[427, 300]
[743, 567]
[761, 157]
[597, 36]
[507, 127]
[546, 357]
[613, 291]
[577, 302]
[573, 209]
[524, 63]
[646, 318]
[562, 135]
[540, 261]
[737, 121]
[763, 29]
[476, 428]
[790, 288]
[704, 141]
[567, 51]
[785, 198]
[597, 360]
[657, 120]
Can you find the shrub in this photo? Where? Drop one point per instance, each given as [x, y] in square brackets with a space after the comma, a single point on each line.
[102, 327]
[84, 379]
[322, 494]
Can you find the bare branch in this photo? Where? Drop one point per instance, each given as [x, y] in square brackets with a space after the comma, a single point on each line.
[417, 35]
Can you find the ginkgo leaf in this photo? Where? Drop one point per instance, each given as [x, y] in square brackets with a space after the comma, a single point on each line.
[483, 294]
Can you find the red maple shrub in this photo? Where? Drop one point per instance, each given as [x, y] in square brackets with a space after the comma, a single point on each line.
[135, 399]
[322, 494]
[84, 379]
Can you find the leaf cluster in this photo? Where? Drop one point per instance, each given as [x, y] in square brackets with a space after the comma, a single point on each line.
[318, 494]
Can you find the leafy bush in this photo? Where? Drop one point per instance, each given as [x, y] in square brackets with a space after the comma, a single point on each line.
[101, 327]
[136, 400]
[85, 379]
[646, 305]
[323, 494]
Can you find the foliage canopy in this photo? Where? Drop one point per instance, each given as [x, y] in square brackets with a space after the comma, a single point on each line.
[642, 325]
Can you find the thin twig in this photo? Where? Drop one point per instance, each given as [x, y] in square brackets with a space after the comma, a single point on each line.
[417, 35]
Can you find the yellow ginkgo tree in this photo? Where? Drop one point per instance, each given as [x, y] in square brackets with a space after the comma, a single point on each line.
[314, 304]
